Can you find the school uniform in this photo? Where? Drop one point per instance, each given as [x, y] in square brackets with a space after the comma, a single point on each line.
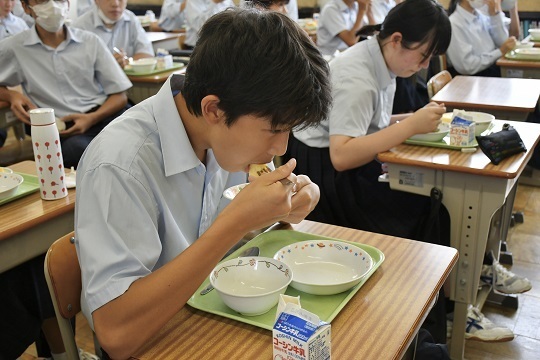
[143, 161]
[76, 77]
[11, 25]
[335, 17]
[197, 12]
[19, 11]
[476, 39]
[127, 33]
[363, 92]
[380, 8]
[84, 5]
[171, 18]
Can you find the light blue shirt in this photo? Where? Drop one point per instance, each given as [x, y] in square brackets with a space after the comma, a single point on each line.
[476, 39]
[197, 12]
[335, 17]
[363, 90]
[84, 5]
[143, 197]
[11, 25]
[292, 9]
[170, 17]
[75, 77]
[127, 33]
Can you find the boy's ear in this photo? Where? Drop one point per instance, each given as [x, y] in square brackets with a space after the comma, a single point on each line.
[210, 109]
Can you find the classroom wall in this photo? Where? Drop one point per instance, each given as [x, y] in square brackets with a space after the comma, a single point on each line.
[523, 5]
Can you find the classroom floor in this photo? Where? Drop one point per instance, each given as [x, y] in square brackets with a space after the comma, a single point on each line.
[524, 243]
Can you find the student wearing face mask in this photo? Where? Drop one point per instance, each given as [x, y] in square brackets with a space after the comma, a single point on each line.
[479, 36]
[67, 69]
[118, 28]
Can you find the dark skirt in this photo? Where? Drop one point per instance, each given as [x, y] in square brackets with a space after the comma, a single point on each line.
[356, 199]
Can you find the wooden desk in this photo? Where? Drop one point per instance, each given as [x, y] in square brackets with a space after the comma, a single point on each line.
[146, 86]
[163, 40]
[379, 322]
[473, 190]
[30, 225]
[519, 68]
[511, 99]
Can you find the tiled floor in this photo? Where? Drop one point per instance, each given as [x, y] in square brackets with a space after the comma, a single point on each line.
[524, 243]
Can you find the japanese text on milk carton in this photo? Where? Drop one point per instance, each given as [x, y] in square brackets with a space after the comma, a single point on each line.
[461, 132]
[299, 334]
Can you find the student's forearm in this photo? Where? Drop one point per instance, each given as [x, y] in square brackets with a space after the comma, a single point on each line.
[5, 94]
[111, 106]
[348, 153]
[129, 321]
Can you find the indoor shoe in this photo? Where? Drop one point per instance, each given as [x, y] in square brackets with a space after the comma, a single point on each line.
[481, 328]
[503, 280]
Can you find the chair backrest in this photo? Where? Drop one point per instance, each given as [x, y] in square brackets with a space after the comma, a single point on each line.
[437, 82]
[63, 275]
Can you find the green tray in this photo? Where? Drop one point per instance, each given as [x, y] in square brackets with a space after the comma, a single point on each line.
[532, 54]
[444, 143]
[175, 66]
[325, 306]
[29, 185]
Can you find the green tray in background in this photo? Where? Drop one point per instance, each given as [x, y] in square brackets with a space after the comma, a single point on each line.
[444, 143]
[325, 306]
[29, 185]
[175, 66]
[522, 55]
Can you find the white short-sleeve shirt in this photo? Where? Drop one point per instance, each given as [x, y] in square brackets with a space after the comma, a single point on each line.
[127, 33]
[171, 17]
[197, 12]
[11, 25]
[476, 39]
[363, 90]
[143, 197]
[75, 77]
[335, 17]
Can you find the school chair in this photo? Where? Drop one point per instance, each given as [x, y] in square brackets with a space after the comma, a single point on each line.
[437, 82]
[63, 276]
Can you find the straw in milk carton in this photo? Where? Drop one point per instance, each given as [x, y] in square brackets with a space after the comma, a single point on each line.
[299, 334]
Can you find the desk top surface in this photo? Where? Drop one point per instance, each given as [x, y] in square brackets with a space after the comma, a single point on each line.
[387, 311]
[29, 211]
[159, 78]
[487, 93]
[155, 36]
[472, 163]
[504, 62]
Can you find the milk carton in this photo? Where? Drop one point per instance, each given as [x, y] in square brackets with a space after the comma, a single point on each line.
[462, 132]
[299, 334]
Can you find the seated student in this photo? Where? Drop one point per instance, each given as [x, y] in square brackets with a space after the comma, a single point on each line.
[9, 23]
[338, 23]
[479, 37]
[380, 8]
[273, 5]
[118, 28]
[67, 69]
[172, 16]
[197, 12]
[169, 159]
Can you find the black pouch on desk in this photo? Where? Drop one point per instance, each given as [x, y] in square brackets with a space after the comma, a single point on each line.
[502, 144]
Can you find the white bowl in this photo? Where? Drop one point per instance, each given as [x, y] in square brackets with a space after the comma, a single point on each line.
[325, 267]
[9, 183]
[444, 129]
[144, 65]
[251, 285]
[5, 170]
[481, 121]
[535, 34]
[231, 192]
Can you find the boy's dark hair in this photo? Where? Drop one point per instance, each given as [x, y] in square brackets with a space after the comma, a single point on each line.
[259, 63]
[418, 21]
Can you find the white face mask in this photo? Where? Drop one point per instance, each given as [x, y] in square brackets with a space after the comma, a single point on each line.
[51, 15]
[477, 4]
[104, 17]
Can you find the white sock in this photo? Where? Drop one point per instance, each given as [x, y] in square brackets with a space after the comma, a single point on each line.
[62, 356]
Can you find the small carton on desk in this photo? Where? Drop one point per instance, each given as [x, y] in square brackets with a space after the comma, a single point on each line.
[462, 132]
[299, 334]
